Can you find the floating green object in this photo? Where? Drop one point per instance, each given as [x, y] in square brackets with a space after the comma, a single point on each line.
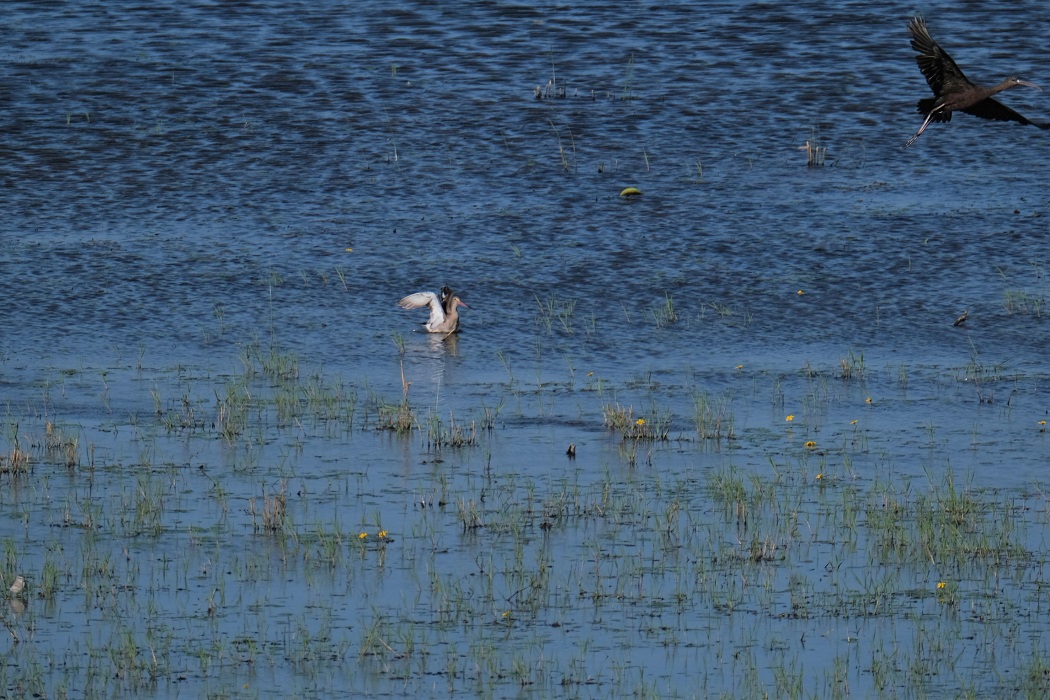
[630, 192]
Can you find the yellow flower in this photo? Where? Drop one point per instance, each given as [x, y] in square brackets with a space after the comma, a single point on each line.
[382, 534]
[800, 292]
[363, 535]
[811, 444]
[819, 477]
[853, 422]
[867, 400]
[640, 421]
[941, 584]
[506, 613]
[590, 374]
[1042, 422]
[790, 417]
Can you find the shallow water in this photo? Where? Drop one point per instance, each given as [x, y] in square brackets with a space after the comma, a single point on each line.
[211, 210]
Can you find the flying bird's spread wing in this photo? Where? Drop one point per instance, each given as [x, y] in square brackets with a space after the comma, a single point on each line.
[997, 111]
[936, 65]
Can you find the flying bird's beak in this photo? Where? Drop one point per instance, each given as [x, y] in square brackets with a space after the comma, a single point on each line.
[1028, 84]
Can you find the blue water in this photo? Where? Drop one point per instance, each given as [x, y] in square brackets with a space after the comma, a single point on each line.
[181, 182]
[160, 162]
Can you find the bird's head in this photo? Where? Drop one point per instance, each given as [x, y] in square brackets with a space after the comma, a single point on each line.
[1014, 80]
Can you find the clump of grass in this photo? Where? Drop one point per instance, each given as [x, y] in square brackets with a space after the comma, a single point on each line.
[274, 512]
[329, 544]
[16, 461]
[616, 417]
[729, 489]
[622, 420]
[232, 410]
[720, 308]
[852, 366]
[373, 641]
[665, 314]
[455, 435]
[488, 415]
[556, 313]
[948, 526]
[815, 153]
[180, 416]
[273, 362]
[469, 514]
[713, 418]
[280, 365]
[1035, 678]
[555, 88]
[48, 579]
[948, 593]
[59, 446]
[329, 401]
[397, 417]
[148, 501]
[1019, 301]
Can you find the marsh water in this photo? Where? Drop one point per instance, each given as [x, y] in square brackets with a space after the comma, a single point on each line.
[793, 474]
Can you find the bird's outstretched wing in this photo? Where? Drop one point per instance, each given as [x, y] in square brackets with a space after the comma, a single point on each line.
[997, 111]
[936, 65]
[421, 299]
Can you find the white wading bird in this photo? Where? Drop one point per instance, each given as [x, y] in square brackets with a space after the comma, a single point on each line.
[444, 314]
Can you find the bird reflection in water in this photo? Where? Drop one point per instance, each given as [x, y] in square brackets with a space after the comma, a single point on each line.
[444, 344]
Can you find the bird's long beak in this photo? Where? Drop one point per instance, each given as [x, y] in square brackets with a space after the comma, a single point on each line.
[460, 302]
[1028, 84]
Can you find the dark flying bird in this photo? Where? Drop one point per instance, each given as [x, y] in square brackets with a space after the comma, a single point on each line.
[952, 91]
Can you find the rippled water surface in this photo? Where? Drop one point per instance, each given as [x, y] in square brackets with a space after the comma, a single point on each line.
[210, 210]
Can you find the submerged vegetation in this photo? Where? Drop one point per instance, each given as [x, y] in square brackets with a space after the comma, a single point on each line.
[830, 563]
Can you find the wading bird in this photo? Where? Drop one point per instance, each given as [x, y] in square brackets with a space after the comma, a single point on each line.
[951, 89]
[444, 313]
